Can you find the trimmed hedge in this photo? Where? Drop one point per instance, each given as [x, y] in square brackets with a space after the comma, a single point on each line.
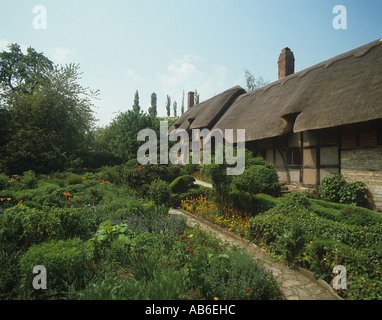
[334, 234]
[182, 184]
[67, 263]
[252, 203]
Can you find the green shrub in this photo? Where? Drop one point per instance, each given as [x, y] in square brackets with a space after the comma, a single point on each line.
[112, 174]
[191, 168]
[257, 179]
[132, 176]
[360, 216]
[291, 242]
[73, 179]
[152, 172]
[327, 213]
[235, 275]
[293, 204]
[334, 188]
[133, 163]
[160, 192]
[67, 263]
[29, 179]
[354, 193]
[252, 203]
[264, 228]
[3, 181]
[10, 273]
[166, 284]
[26, 226]
[182, 184]
[320, 253]
[331, 186]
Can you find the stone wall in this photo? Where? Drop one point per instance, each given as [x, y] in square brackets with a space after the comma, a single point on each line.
[364, 164]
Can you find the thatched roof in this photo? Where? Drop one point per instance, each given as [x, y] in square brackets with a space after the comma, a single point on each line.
[343, 90]
[206, 113]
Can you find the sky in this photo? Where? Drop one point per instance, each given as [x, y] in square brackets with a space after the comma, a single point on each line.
[171, 46]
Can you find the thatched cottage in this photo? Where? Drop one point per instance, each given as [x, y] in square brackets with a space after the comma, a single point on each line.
[327, 118]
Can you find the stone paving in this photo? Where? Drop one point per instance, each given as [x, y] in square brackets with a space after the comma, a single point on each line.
[294, 284]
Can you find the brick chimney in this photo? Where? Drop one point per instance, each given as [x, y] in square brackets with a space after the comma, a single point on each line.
[286, 63]
[191, 100]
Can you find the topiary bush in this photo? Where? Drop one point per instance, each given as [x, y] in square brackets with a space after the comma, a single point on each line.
[257, 179]
[182, 184]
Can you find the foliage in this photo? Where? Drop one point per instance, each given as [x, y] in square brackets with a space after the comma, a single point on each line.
[221, 182]
[73, 179]
[252, 203]
[257, 179]
[48, 112]
[334, 188]
[67, 262]
[166, 284]
[192, 168]
[29, 179]
[331, 186]
[252, 82]
[153, 110]
[234, 275]
[160, 192]
[354, 193]
[229, 218]
[124, 129]
[318, 235]
[182, 184]
[291, 242]
[3, 181]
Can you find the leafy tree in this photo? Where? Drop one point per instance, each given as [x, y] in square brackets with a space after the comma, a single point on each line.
[125, 128]
[168, 105]
[182, 106]
[196, 97]
[153, 110]
[136, 106]
[252, 82]
[22, 73]
[45, 111]
[175, 107]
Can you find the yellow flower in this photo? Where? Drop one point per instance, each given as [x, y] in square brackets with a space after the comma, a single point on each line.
[191, 235]
[216, 298]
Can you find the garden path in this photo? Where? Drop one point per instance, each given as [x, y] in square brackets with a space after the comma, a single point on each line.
[295, 284]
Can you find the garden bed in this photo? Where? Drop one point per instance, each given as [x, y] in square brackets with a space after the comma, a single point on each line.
[100, 240]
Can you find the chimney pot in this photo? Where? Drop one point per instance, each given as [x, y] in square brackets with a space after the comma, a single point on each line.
[191, 100]
[286, 63]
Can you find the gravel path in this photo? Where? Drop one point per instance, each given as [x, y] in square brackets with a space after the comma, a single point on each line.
[295, 284]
